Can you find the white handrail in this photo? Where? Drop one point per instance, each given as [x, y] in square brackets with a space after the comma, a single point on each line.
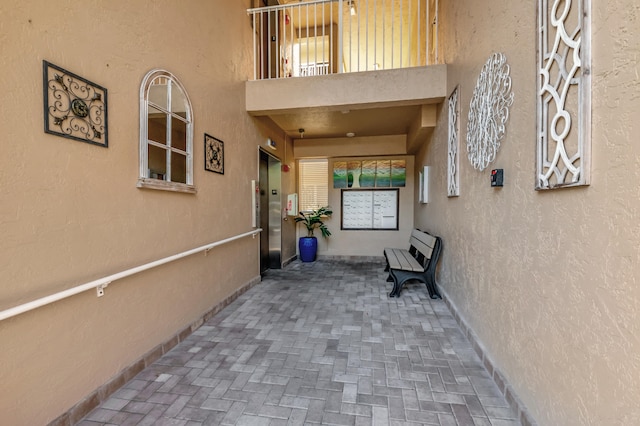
[101, 283]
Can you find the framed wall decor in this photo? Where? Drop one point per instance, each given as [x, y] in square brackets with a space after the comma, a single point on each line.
[564, 94]
[369, 174]
[489, 111]
[213, 154]
[74, 107]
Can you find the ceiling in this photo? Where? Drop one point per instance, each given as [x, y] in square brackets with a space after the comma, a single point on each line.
[325, 123]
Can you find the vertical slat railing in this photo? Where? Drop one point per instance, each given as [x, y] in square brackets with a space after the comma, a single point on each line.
[393, 29]
[255, 52]
[302, 39]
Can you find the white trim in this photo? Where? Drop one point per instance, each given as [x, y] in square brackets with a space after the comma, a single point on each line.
[163, 185]
[453, 157]
[144, 178]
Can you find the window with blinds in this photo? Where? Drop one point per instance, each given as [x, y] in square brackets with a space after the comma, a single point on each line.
[313, 188]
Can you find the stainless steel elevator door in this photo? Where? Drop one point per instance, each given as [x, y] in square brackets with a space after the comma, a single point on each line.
[270, 212]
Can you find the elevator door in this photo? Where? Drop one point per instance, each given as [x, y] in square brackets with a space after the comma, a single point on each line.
[270, 212]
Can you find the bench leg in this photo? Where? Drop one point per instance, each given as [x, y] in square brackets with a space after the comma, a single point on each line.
[395, 291]
[386, 269]
[400, 277]
[392, 278]
[397, 285]
[432, 289]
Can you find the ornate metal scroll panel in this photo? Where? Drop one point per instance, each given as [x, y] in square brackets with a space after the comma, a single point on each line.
[564, 100]
[453, 161]
[489, 111]
[74, 107]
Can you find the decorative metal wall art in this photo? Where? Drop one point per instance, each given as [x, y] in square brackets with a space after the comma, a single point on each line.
[489, 111]
[74, 107]
[453, 182]
[213, 154]
[564, 103]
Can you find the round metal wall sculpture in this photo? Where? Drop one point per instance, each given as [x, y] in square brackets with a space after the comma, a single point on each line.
[489, 111]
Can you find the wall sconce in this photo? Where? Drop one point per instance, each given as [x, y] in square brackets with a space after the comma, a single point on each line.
[352, 7]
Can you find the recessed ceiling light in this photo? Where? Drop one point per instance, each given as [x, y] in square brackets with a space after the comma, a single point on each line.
[350, 134]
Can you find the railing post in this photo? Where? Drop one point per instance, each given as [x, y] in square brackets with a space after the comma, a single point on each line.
[340, 35]
[255, 50]
[437, 59]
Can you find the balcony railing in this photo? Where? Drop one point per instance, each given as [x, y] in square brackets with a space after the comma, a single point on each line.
[314, 69]
[319, 37]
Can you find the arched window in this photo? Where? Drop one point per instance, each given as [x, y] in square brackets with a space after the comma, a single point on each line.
[166, 134]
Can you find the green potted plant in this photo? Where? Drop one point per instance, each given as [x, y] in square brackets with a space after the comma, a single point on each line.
[308, 246]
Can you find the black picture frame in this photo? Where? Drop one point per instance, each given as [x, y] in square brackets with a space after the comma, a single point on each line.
[74, 107]
[213, 154]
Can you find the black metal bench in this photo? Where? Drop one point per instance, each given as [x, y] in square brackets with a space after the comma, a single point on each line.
[418, 263]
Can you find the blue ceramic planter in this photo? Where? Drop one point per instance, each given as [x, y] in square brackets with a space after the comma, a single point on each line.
[308, 247]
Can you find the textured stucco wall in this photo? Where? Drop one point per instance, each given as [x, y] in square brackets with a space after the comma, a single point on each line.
[548, 281]
[369, 243]
[361, 243]
[70, 212]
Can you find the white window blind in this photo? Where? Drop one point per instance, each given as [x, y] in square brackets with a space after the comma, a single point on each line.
[313, 184]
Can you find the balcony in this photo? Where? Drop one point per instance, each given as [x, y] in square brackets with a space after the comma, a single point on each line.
[332, 67]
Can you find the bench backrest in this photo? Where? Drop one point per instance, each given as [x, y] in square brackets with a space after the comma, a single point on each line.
[423, 242]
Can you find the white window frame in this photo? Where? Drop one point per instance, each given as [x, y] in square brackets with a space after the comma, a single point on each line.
[301, 193]
[144, 180]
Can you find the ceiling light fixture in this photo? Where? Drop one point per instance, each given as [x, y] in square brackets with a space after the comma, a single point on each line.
[350, 134]
[352, 7]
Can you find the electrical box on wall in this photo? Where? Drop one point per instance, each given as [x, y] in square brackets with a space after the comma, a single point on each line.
[423, 185]
[255, 203]
[292, 205]
[497, 177]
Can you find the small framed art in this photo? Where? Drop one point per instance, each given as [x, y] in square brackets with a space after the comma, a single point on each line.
[213, 154]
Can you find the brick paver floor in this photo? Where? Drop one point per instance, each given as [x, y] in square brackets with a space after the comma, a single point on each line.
[317, 343]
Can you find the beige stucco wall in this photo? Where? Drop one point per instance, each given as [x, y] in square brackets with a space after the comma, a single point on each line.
[339, 91]
[369, 243]
[548, 281]
[70, 212]
[361, 243]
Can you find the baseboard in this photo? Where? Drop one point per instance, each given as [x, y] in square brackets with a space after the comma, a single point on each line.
[505, 388]
[98, 396]
[351, 257]
[289, 260]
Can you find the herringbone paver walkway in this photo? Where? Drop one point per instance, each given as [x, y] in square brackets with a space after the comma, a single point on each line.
[317, 343]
